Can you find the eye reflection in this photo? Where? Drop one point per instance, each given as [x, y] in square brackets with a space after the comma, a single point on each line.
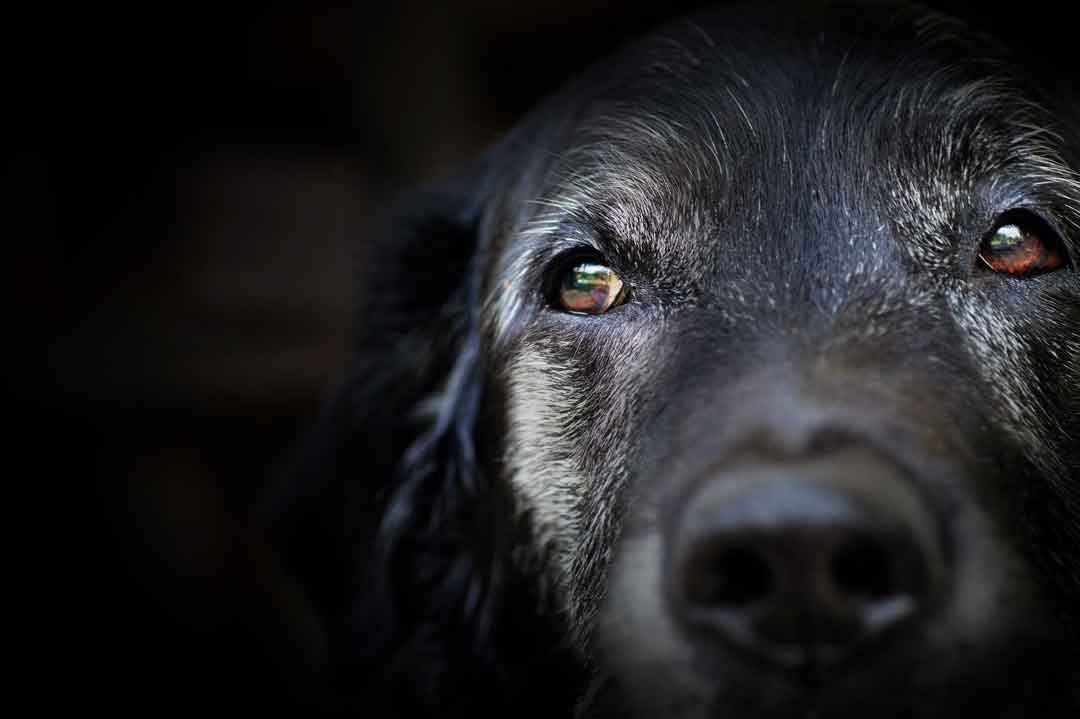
[1021, 248]
[590, 288]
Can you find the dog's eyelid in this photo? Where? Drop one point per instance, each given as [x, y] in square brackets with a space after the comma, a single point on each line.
[561, 250]
[586, 232]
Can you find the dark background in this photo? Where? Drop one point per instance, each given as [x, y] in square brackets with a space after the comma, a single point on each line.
[188, 193]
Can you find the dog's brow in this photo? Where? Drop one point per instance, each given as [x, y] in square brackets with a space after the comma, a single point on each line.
[641, 180]
[622, 187]
[620, 225]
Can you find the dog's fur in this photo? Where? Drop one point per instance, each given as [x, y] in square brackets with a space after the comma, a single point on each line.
[796, 199]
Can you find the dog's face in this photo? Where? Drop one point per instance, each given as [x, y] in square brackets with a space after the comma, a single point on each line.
[791, 429]
[774, 323]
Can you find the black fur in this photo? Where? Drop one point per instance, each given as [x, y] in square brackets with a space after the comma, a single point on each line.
[433, 618]
[435, 595]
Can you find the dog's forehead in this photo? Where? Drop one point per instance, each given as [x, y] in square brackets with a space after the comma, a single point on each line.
[776, 125]
[794, 160]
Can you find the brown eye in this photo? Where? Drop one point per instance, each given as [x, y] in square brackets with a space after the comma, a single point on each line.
[1022, 245]
[592, 289]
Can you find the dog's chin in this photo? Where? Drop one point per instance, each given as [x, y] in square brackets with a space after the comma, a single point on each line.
[659, 668]
[886, 690]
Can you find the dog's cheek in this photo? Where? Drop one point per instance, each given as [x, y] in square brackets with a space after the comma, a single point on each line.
[573, 399]
[547, 483]
[637, 638]
[1004, 349]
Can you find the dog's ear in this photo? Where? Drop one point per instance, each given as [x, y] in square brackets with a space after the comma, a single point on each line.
[387, 521]
[384, 521]
[420, 536]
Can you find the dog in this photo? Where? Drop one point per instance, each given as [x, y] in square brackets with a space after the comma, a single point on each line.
[740, 379]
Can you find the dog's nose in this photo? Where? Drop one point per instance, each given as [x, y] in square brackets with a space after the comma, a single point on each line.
[804, 563]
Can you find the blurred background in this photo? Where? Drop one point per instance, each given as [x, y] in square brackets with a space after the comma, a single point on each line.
[189, 192]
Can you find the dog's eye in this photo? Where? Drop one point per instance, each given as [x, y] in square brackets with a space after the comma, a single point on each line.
[1022, 244]
[590, 288]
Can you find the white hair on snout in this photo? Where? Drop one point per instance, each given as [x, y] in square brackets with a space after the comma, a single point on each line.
[638, 637]
[539, 453]
[570, 441]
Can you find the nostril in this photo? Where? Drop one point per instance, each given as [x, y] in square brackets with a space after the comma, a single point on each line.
[807, 563]
[732, 576]
[862, 569]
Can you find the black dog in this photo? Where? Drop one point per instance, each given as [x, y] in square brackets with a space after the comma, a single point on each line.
[741, 380]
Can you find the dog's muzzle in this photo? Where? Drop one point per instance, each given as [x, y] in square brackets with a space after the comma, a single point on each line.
[808, 561]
